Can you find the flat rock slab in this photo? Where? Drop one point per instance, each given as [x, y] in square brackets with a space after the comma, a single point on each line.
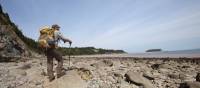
[138, 79]
[70, 80]
[190, 84]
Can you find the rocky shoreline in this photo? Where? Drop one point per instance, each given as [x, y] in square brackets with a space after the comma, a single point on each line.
[104, 72]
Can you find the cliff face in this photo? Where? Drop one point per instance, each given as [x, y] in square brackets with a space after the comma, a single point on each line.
[11, 45]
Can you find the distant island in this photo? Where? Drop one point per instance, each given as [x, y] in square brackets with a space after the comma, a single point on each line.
[154, 50]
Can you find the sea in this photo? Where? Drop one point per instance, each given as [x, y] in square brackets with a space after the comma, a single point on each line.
[193, 53]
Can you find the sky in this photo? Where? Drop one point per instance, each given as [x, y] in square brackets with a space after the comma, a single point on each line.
[130, 25]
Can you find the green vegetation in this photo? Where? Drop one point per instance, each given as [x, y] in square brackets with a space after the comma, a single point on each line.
[87, 51]
[32, 44]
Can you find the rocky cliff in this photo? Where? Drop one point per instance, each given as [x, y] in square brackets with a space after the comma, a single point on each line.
[11, 45]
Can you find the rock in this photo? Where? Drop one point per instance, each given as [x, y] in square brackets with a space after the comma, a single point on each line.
[108, 62]
[18, 72]
[138, 79]
[118, 77]
[173, 76]
[21, 81]
[70, 80]
[163, 71]
[161, 66]
[103, 63]
[25, 66]
[23, 73]
[190, 84]
[155, 66]
[198, 77]
[38, 83]
[182, 76]
[185, 66]
[70, 68]
[43, 73]
[85, 74]
[148, 76]
[94, 83]
[2, 45]
[94, 64]
[124, 84]
[11, 86]
[111, 79]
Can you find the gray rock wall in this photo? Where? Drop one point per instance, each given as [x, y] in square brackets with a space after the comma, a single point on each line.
[11, 45]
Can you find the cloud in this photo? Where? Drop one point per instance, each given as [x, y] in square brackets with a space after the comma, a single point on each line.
[181, 25]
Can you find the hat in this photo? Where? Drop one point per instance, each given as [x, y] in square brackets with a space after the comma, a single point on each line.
[55, 26]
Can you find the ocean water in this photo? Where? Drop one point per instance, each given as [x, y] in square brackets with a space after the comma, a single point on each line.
[195, 53]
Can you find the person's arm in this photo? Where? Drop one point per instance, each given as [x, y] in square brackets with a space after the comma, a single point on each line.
[64, 39]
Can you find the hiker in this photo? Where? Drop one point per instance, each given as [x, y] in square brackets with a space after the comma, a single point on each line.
[51, 52]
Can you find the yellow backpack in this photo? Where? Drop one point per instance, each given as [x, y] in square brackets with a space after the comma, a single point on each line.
[46, 34]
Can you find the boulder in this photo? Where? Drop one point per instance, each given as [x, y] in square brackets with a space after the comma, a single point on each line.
[104, 63]
[70, 80]
[108, 62]
[173, 76]
[185, 66]
[118, 77]
[161, 66]
[137, 79]
[148, 76]
[85, 74]
[198, 77]
[155, 66]
[190, 84]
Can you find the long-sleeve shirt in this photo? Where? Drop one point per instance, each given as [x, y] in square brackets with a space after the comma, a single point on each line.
[58, 36]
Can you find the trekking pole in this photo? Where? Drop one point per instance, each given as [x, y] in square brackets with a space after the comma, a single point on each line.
[69, 53]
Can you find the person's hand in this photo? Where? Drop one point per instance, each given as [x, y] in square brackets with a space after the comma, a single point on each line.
[64, 41]
[70, 42]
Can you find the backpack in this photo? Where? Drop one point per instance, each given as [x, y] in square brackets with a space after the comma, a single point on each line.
[46, 35]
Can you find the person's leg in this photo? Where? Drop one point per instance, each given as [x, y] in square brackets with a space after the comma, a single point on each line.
[59, 67]
[50, 65]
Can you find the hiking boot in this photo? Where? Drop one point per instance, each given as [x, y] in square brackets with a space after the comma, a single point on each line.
[61, 74]
[51, 78]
